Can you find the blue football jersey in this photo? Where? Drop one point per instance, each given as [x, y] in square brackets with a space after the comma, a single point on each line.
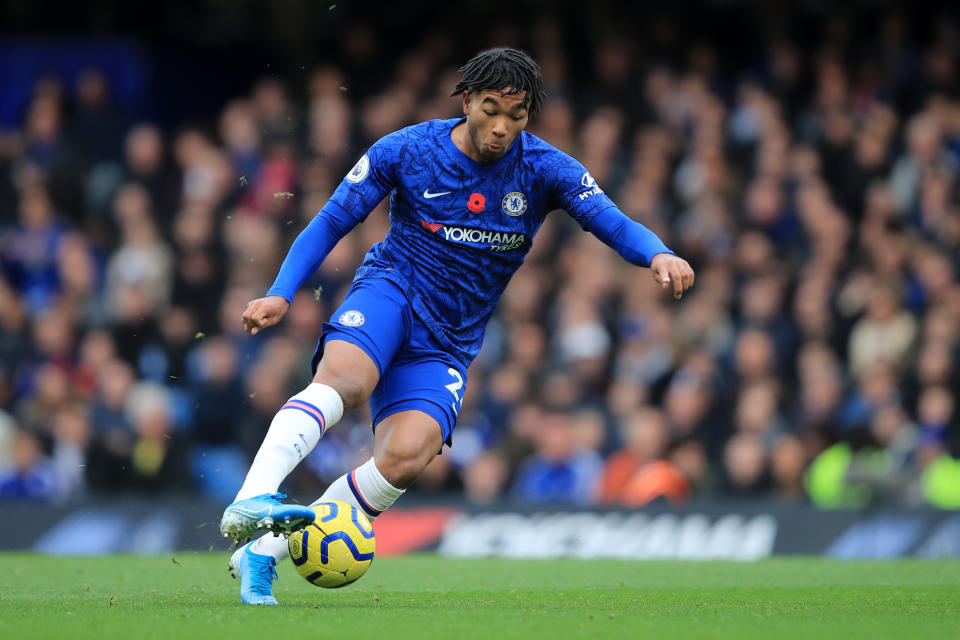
[460, 229]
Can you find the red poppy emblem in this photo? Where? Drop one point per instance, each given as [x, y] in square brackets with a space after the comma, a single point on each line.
[477, 202]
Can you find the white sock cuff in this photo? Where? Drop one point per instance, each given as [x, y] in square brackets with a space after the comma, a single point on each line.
[374, 488]
[322, 398]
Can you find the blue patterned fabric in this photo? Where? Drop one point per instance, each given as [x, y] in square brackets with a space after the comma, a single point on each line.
[459, 229]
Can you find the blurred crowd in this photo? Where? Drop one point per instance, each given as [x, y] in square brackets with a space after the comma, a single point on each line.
[814, 189]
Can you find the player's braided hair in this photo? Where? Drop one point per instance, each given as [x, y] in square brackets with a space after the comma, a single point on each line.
[504, 69]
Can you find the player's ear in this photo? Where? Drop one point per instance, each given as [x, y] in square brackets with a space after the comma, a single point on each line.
[466, 103]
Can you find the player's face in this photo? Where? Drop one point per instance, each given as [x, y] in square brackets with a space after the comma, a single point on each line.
[494, 121]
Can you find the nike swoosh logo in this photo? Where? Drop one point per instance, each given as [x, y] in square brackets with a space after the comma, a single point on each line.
[428, 195]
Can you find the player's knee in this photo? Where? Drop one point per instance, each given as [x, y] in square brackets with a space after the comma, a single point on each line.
[353, 391]
[349, 370]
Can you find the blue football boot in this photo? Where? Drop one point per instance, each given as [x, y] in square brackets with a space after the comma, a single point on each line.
[245, 517]
[256, 573]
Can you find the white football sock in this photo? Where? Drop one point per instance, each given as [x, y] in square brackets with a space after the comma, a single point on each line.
[365, 488]
[294, 432]
[374, 495]
[271, 545]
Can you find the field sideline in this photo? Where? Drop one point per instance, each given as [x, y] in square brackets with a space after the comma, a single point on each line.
[426, 596]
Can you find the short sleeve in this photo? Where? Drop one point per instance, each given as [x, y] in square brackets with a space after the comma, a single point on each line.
[574, 189]
[370, 180]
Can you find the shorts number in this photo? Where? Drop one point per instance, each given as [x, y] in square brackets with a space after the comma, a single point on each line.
[454, 387]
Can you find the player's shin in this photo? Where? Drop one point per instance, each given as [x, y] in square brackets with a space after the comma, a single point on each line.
[295, 430]
[364, 487]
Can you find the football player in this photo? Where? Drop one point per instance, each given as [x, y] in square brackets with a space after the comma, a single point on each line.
[467, 196]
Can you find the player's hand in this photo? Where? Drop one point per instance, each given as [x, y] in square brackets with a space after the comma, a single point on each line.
[672, 272]
[264, 312]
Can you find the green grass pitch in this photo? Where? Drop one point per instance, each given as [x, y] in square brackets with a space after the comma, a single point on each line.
[427, 596]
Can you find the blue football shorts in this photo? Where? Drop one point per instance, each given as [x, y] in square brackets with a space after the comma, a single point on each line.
[415, 371]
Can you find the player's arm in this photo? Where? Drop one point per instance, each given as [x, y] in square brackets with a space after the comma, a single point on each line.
[575, 190]
[304, 258]
[640, 246]
[359, 192]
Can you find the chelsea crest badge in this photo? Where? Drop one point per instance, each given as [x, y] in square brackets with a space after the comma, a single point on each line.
[352, 318]
[514, 203]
